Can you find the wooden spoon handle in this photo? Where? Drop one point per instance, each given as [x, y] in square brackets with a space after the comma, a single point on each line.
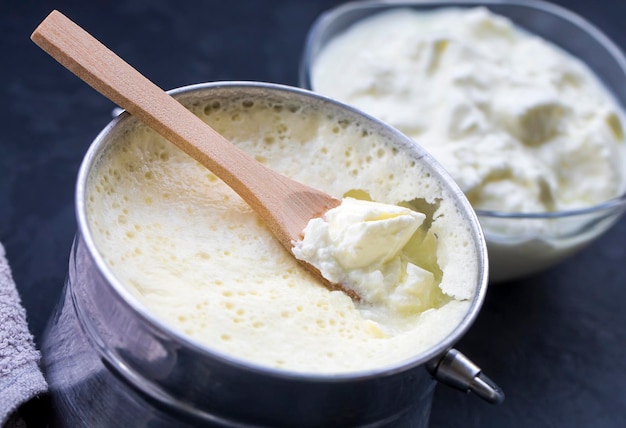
[106, 72]
[263, 189]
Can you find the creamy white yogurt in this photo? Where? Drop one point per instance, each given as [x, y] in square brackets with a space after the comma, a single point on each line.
[521, 125]
[196, 255]
[366, 247]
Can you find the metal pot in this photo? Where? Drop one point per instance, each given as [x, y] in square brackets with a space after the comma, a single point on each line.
[109, 361]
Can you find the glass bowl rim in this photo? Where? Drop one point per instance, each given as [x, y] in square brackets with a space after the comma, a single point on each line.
[611, 204]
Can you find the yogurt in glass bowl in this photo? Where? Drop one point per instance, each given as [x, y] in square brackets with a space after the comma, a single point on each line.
[521, 101]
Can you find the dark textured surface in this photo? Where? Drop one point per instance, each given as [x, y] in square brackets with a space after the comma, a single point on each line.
[556, 342]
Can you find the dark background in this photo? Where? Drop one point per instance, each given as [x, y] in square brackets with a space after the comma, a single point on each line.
[556, 342]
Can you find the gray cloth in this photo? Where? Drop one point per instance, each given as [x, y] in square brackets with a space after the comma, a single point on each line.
[20, 376]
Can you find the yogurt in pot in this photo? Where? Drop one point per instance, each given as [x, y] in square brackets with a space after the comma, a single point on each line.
[181, 308]
[197, 256]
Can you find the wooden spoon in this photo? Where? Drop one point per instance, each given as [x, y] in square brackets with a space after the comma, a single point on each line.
[285, 206]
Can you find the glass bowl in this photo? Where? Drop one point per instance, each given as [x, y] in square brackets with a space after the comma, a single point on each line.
[519, 244]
